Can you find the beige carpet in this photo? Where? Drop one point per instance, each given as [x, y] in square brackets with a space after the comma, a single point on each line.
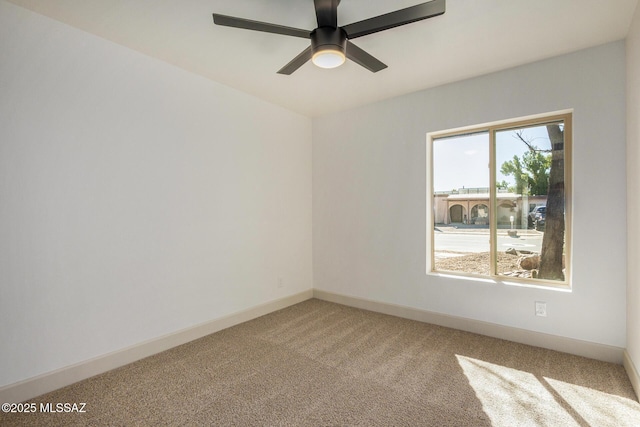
[323, 364]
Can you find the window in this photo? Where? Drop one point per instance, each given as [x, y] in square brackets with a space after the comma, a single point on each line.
[499, 200]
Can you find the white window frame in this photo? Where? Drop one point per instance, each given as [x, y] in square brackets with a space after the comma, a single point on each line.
[566, 116]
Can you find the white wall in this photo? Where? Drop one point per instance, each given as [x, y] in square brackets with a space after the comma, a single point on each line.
[369, 196]
[136, 199]
[633, 189]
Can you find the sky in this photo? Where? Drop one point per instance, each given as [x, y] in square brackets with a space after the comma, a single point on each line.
[464, 161]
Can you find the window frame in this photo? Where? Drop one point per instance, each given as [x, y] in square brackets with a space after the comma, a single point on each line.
[566, 117]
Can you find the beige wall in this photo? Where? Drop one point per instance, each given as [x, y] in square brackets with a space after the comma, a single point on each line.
[369, 188]
[136, 199]
[633, 190]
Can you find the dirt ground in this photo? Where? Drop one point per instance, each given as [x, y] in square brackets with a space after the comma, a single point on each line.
[478, 263]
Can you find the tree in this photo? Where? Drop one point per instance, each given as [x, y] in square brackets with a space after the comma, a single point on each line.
[514, 167]
[538, 165]
[505, 185]
[553, 239]
[531, 172]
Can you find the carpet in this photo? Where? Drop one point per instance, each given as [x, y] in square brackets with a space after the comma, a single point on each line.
[323, 364]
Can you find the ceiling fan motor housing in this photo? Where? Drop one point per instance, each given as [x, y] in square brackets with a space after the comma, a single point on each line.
[328, 38]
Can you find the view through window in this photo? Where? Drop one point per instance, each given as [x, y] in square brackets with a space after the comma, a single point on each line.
[500, 198]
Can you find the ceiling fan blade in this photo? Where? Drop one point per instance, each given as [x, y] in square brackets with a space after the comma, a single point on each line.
[247, 24]
[395, 19]
[296, 62]
[327, 12]
[361, 57]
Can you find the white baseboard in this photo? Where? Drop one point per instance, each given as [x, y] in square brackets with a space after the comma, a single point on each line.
[553, 342]
[36, 386]
[632, 372]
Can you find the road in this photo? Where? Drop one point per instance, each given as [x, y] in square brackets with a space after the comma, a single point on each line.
[479, 242]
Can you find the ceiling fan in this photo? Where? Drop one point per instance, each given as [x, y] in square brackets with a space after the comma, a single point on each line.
[330, 44]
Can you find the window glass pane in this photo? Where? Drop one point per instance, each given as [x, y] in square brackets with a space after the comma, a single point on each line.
[530, 201]
[461, 181]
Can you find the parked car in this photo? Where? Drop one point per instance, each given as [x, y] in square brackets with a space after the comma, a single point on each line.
[539, 218]
[532, 215]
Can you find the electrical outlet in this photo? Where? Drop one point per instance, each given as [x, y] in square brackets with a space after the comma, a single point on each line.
[541, 309]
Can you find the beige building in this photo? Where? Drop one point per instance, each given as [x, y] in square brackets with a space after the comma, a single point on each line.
[471, 206]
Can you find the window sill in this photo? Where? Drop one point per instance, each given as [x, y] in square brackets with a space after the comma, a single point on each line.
[522, 283]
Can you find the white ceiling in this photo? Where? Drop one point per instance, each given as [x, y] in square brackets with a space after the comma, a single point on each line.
[472, 38]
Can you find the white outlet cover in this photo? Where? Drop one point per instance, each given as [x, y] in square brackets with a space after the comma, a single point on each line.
[541, 308]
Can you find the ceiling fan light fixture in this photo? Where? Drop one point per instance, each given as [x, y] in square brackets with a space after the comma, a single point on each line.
[328, 47]
[331, 44]
[328, 58]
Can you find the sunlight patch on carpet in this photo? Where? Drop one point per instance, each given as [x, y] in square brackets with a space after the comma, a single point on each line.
[513, 397]
[596, 407]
